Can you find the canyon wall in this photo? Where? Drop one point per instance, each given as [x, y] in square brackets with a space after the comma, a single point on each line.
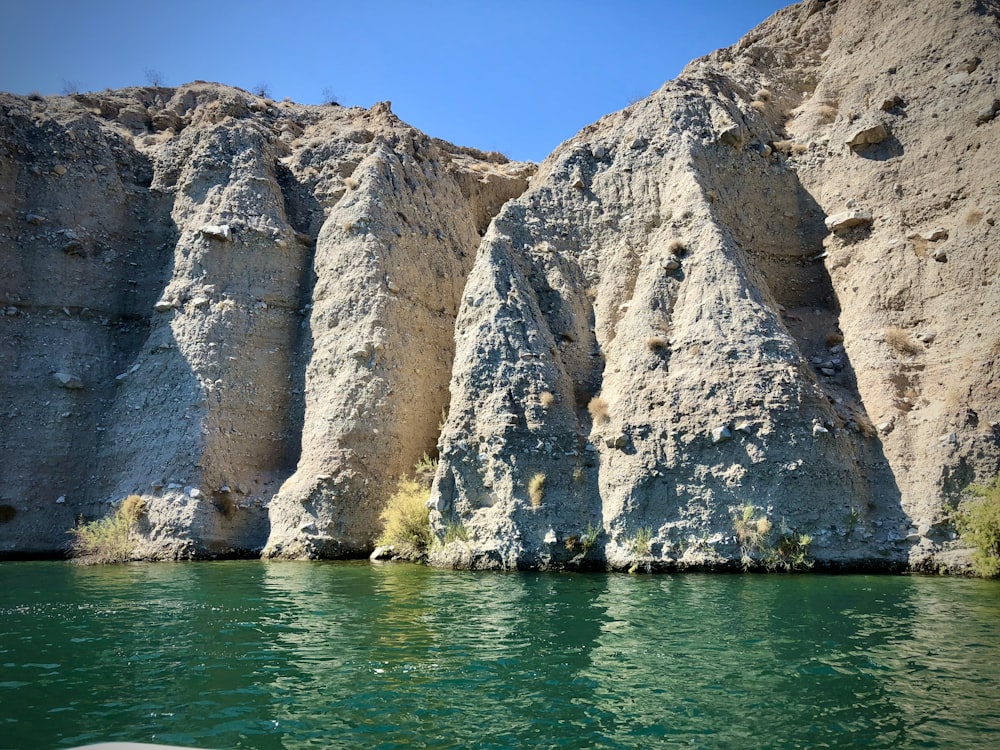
[750, 319]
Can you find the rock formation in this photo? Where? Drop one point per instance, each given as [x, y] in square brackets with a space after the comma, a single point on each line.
[223, 303]
[749, 318]
[670, 268]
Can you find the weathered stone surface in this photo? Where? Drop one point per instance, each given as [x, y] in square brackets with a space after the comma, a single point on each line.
[217, 231]
[264, 270]
[68, 380]
[762, 287]
[848, 219]
[868, 136]
[988, 112]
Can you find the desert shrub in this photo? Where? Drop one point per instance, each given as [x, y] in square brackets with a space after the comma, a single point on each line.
[864, 423]
[642, 541]
[330, 97]
[833, 338]
[456, 532]
[900, 340]
[763, 95]
[751, 532]
[350, 183]
[131, 508]
[755, 534]
[598, 409]
[407, 519]
[800, 148]
[426, 465]
[676, 246]
[154, 78]
[656, 343]
[978, 521]
[546, 399]
[109, 539]
[536, 490]
[7, 513]
[759, 106]
[588, 538]
[791, 552]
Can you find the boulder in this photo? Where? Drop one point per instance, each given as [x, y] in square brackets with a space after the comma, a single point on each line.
[68, 380]
[868, 136]
[221, 232]
[848, 220]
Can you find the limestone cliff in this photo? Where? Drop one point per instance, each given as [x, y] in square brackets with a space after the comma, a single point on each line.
[750, 318]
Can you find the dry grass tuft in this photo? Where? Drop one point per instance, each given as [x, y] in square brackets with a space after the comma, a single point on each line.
[350, 183]
[656, 343]
[598, 409]
[676, 247]
[864, 423]
[763, 95]
[536, 490]
[972, 216]
[826, 113]
[546, 399]
[759, 106]
[784, 146]
[900, 340]
[800, 148]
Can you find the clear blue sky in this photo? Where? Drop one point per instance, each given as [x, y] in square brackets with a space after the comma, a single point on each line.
[517, 76]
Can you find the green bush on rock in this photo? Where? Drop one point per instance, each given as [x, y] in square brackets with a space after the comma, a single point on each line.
[978, 522]
[109, 539]
[407, 519]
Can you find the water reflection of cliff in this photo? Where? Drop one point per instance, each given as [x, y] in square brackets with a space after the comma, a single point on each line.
[401, 654]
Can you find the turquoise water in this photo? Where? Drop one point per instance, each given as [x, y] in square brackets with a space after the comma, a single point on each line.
[317, 655]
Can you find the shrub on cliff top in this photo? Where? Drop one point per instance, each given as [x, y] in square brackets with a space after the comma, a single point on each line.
[978, 521]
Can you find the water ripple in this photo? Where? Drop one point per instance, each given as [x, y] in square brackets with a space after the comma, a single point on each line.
[278, 655]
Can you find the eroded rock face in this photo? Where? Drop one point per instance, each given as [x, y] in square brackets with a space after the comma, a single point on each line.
[212, 297]
[718, 273]
[750, 318]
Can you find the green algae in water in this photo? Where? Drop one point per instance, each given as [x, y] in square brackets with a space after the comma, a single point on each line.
[315, 655]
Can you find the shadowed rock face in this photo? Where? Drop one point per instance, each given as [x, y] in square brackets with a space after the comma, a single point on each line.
[214, 297]
[751, 317]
